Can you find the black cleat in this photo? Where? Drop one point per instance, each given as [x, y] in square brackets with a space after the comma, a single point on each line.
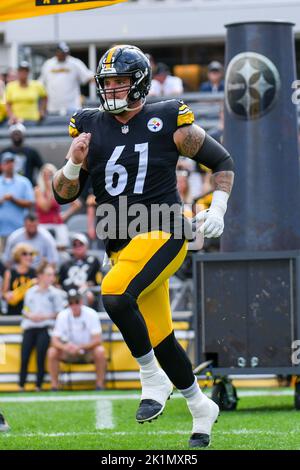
[3, 424]
[148, 410]
[199, 440]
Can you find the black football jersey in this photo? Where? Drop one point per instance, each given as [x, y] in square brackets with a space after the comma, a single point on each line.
[138, 159]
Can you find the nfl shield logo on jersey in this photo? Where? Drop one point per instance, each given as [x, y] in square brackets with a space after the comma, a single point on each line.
[155, 124]
[125, 129]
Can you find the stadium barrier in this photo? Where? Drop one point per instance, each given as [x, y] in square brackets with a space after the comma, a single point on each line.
[122, 370]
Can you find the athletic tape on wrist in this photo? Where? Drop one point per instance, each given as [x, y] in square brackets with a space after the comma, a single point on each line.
[219, 201]
[71, 170]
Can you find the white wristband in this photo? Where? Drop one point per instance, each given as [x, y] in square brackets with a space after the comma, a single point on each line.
[71, 170]
[219, 201]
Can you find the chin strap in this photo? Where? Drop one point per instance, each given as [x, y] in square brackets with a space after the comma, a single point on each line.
[138, 107]
[101, 108]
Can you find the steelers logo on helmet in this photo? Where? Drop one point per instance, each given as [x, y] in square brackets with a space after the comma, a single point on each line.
[128, 62]
[252, 85]
[155, 124]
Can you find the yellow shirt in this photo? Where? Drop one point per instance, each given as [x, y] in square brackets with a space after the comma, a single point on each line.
[25, 100]
[2, 111]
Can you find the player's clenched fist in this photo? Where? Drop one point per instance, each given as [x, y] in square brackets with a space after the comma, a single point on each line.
[76, 156]
[79, 148]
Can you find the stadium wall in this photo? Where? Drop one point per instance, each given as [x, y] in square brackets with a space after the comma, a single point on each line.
[147, 23]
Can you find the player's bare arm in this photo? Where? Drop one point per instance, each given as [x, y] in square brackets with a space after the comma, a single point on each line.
[193, 142]
[222, 181]
[66, 183]
[190, 140]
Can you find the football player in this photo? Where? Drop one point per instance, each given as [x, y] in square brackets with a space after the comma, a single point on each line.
[130, 148]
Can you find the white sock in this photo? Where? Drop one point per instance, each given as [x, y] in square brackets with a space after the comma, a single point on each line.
[193, 395]
[203, 410]
[148, 364]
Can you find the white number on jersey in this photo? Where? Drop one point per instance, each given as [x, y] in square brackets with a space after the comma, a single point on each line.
[112, 168]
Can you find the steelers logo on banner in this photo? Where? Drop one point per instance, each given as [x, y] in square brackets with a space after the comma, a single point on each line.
[252, 84]
[155, 124]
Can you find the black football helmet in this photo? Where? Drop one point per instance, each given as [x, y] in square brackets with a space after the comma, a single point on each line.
[123, 61]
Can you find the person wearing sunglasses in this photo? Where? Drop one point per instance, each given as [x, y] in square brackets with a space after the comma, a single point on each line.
[19, 278]
[76, 339]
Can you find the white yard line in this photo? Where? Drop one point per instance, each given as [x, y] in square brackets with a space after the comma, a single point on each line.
[73, 397]
[129, 396]
[82, 433]
[104, 414]
[239, 432]
[265, 393]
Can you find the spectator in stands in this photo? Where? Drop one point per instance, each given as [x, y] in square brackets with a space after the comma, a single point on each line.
[215, 81]
[10, 75]
[41, 305]
[204, 199]
[26, 100]
[194, 179]
[48, 210]
[19, 278]
[182, 176]
[82, 271]
[27, 159]
[41, 241]
[165, 84]
[16, 196]
[218, 131]
[62, 76]
[77, 339]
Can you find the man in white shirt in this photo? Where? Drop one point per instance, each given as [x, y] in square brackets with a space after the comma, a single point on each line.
[62, 76]
[76, 338]
[165, 84]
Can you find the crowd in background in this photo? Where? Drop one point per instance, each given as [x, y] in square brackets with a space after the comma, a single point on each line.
[49, 275]
[57, 90]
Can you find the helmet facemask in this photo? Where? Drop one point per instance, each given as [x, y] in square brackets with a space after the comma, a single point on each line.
[108, 96]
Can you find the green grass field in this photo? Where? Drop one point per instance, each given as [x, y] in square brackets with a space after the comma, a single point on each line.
[106, 421]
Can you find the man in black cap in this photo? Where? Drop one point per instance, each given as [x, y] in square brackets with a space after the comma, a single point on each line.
[27, 159]
[62, 76]
[165, 84]
[215, 81]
